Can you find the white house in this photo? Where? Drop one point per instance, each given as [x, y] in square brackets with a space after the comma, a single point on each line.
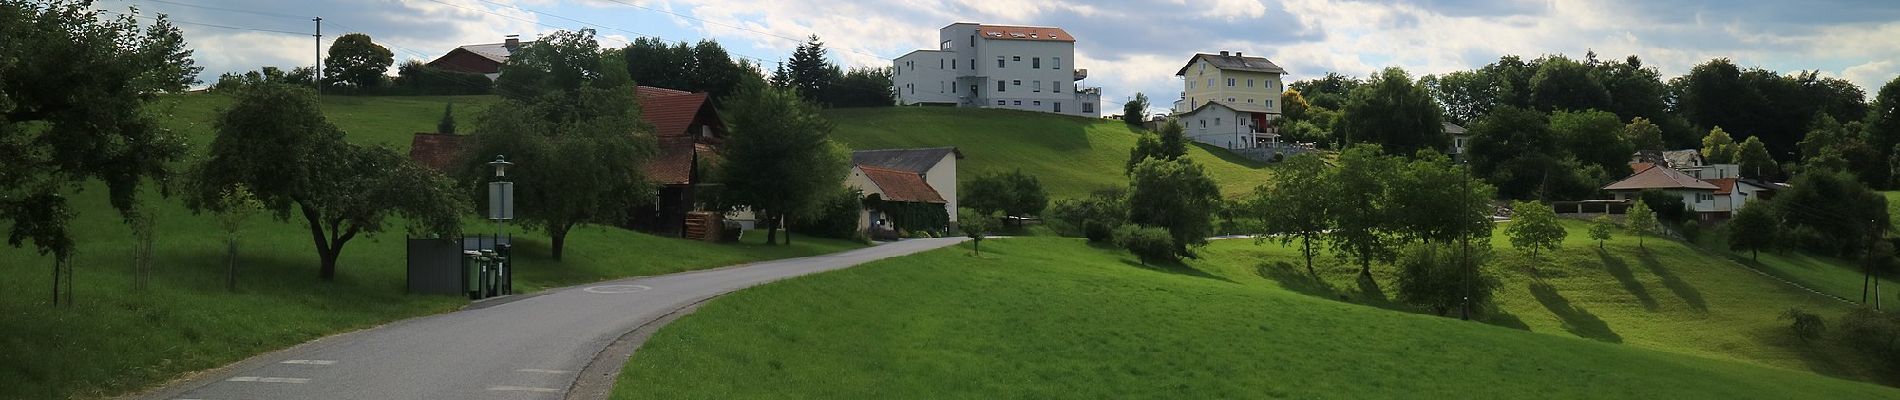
[1713, 197]
[997, 66]
[927, 175]
[1230, 100]
[1230, 125]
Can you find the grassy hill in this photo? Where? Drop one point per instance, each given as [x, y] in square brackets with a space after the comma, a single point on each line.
[117, 339]
[1070, 155]
[1056, 318]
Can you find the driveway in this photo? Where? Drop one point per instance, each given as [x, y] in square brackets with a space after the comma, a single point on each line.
[532, 348]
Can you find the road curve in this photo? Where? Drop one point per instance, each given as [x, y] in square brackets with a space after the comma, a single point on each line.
[531, 348]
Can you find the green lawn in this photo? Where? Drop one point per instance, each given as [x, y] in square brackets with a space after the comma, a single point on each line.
[1830, 275]
[1056, 318]
[1070, 155]
[116, 340]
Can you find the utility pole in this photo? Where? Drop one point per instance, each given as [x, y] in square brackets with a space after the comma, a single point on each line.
[319, 52]
[1464, 193]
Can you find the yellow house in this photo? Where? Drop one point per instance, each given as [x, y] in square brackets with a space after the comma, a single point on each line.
[1233, 78]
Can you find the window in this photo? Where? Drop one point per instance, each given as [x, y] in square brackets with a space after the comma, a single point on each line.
[939, 63]
[1037, 87]
[972, 89]
[1056, 64]
[1269, 103]
[972, 44]
[1249, 83]
[999, 61]
[1230, 99]
[1001, 103]
[912, 86]
[1210, 82]
[1058, 106]
[953, 64]
[1036, 103]
[1017, 82]
[1249, 101]
[1035, 62]
[1190, 84]
[1203, 123]
[972, 63]
[1216, 121]
[1230, 82]
[1018, 102]
[1015, 58]
[953, 88]
[912, 65]
[1057, 86]
[940, 86]
[1088, 108]
[999, 86]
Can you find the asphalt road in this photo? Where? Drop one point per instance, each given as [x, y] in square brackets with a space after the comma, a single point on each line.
[532, 348]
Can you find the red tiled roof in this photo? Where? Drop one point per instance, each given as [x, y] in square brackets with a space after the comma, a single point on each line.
[1656, 177]
[671, 112]
[436, 151]
[1008, 32]
[674, 163]
[1723, 185]
[901, 186]
[1636, 167]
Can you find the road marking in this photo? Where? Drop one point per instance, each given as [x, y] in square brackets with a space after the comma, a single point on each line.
[524, 389]
[544, 371]
[309, 362]
[268, 379]
[612, 289]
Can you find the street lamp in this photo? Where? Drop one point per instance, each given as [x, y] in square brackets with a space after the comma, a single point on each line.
[501, 208]
[501, 166]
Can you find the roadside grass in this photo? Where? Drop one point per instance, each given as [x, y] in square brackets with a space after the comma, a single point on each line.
[1071, 156]
[1670, 296]
[1058, 318]
[116, 339]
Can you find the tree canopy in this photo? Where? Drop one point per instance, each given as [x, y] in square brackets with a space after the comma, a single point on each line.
[1534, 228]
[1135, 112]
[1011, 193]
[1395, 113]
[779, 158]
[1176, 195]
[357, 61]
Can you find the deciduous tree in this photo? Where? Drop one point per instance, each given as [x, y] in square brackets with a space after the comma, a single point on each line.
[1563, 84]
[1534, 228]
[976, 225]
[1754, 228]
[1755, 160]
[1395, 113]
[1135, 111]
[1641, 222]
[1643, 135]
[1168, 144]
[1175, 195]
[356, 60]
[1295, 206]
[1602, 228]
[236, 205]
[1012, 193]
[1360, 206]
[780, 156]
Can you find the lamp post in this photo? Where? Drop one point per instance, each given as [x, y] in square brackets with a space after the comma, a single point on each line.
[501, 208]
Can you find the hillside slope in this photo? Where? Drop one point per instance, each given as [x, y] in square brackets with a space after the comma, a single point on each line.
[1056, 318]
[1070, 155]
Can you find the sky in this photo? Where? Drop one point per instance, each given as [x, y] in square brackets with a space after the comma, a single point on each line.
[1128, 46]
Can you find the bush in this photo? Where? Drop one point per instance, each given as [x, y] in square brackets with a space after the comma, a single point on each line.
[1150, 244]
[1095, 217]
[1433, 276]
[837, 216]
[1668, 207]
[1873, 331]
[415, 78]
[1807, 326]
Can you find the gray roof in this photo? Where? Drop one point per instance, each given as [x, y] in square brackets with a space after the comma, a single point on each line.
[1682, 158]
[1454, 129]
[912, 160]
[493, 51]
[1233, 63]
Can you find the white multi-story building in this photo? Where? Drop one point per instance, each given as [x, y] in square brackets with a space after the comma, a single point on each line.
[997, 66]
[1230, 100]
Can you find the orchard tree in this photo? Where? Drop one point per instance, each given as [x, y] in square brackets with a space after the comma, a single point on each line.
[356, 60]
[1135, 112]
[779, 159]
[572, 128]
[1534, 228]
[976, 225]
[1601, 228]
[1641, 222]
[1395, 113]
[1754, 228]
[1293, 207]
[236, 205]
[275, 141]
[1175, 195]
[74, 86]
[1360, 206]
[1013, 193]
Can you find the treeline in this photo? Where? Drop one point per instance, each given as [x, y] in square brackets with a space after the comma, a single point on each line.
[1556, 128]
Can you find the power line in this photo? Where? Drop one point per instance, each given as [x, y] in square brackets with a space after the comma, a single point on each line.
[176, 21]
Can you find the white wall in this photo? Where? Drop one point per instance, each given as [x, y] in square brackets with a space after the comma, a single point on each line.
[943, 178]
[924, 76]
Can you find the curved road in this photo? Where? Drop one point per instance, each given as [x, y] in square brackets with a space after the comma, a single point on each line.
[532, 348]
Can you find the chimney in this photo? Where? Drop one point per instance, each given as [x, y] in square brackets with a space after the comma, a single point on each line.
[1239, 54]
[513, 42]
[1223, 53]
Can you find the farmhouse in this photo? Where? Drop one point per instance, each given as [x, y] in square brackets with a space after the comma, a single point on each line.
[907, 188]
[485, 59]
[996, 66]
[1714, 197]
[1230, 100]
[688, 132]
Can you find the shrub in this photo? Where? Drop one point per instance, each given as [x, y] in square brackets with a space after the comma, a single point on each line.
[1433, 276]
[837, 216]
[1874, 331]
[1150, 244]
[1095, 217]
[1807, 326]
[415, 78]
[1668, 207]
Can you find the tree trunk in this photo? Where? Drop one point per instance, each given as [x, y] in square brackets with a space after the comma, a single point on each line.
[788, 230]
[1864, 279]
[1306, 249]
[56, 266]
[977, 245]
[557, 240]
[327, 269]
[230, 257]
[1754, 255]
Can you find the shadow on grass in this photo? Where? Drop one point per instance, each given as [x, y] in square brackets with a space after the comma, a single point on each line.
[1231, 157]
[1369, 289]
[1675, 283]
[1295, 278]
[1496, 316]
[1621, 270]
[1576, 319]
[1177, 268]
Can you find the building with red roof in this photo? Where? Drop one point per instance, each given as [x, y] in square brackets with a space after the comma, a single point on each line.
[687, 134]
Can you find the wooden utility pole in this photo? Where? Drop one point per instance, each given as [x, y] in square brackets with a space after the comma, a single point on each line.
[319, 52]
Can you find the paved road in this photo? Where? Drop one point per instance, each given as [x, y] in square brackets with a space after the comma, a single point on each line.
[527, 349]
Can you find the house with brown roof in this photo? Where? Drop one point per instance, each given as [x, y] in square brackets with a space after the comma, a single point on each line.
[485, 59]
[1711, 199]
[904, 182]
[687, 132]
[437, 151]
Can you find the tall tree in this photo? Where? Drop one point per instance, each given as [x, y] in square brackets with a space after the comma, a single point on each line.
[356, 60]
[1514, 149]
[1170, 143]
[1643, 135]
[1534, 228]
[1635, 90]
[862, 87]
[654, 62]
[1011, 193]
[1329, 91]
[1753, 228]
[1564, 84]
[1433, 199]
[1176, 195]
[809, 73]
[779, 159]
[1713, 94]
[714, 72]
[1883, 120]
[1360, 204]
[572, 128]
[73, 93]
[1755, 161]
[1836, 213]
[275, 140]
[1466, 95]
[1395, 113]
[1594, 138]
[1718, 147]
[1291, 208]
[1135, 112]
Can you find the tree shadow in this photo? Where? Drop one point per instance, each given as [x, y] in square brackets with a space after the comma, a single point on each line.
[1576, 319]
[1295, 278]
[1674, 283]
[1370, 290]
[1231, 157]
[1177, 268]
[1621, 271]
[1496, 316]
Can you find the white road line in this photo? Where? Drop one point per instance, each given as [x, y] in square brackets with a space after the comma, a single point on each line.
[309, 362]
[524, 389]
[268, 379]
[613, 289]
[544, 371]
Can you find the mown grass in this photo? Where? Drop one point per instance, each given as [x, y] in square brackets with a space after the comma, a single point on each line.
[1071, 156]
[1056, 318]
[1830, 275]
[116, 339]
